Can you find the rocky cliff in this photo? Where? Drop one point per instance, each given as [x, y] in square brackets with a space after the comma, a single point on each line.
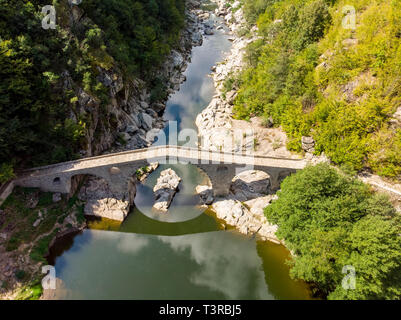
[131, 113]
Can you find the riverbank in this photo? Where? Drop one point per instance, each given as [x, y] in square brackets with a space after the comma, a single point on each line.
[31, 222]
[148, 119]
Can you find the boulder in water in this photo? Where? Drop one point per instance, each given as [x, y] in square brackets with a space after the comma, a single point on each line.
[165, 189]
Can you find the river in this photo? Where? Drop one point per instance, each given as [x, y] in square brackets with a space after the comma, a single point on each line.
[186, 253]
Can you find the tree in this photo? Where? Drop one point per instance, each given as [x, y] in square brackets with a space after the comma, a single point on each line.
[330, 220]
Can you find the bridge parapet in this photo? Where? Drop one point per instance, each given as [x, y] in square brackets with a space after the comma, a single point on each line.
[117, 168]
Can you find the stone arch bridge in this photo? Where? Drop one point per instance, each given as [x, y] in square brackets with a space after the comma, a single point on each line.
[118, 168]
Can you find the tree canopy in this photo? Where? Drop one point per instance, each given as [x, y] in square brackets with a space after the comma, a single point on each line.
[329, 221]
[315, 77]
[39, 123]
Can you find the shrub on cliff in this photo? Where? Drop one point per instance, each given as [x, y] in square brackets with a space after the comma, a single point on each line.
[6, 172]
[329, 221]
[315, 77]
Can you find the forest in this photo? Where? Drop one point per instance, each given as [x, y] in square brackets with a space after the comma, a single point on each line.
[314, 77]
[132, 36]
[329, 221]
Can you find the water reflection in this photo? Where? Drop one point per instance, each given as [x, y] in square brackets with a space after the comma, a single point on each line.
[226, 264]
[185, 202]
[197, 91]
[113, 265]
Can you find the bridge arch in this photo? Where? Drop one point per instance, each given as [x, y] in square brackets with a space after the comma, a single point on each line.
[119, 167]
[221, 176]
[56, 181]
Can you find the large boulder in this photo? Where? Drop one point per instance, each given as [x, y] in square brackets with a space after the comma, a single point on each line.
[250, 184]
[308, 144]
[248, 220]
[132, 128]
[205, 193]
[101, 201]
[165, 189]
[146, 120]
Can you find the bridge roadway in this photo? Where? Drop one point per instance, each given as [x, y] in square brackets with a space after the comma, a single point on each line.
[118, 168]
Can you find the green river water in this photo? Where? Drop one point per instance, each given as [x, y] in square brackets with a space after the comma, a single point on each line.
[184, 254]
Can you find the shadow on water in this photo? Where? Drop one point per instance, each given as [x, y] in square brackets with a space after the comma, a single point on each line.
[72, 243]
[185, 204]
[274, 263]
[139, 223]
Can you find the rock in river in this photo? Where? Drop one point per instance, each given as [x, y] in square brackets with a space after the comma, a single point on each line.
[101, 201]
[205, 193]
[250, 184]
[165, 189]
[247, 217]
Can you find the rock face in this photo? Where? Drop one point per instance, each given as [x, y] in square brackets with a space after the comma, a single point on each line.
[165, 189]
[131, 112]
[247, 221]
[102, 202]
[308, 144]
[243, 208]
[250, 184]
[205, 193]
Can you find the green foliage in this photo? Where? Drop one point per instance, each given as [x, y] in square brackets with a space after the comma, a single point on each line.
[139, 33]
[159, 89]
[45, 199]
[253, 9]
[329, 221]
[41, 248]
[31, 291]
[39, 119]
[6, 172]
[315, 77]
[20, 274]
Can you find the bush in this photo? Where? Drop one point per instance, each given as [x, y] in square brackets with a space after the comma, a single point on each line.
[20, 274]
[6, 172]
